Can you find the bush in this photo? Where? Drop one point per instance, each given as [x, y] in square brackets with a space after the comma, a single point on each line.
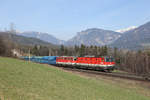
[5, 47]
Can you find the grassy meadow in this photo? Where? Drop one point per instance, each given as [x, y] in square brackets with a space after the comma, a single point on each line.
[21, 80]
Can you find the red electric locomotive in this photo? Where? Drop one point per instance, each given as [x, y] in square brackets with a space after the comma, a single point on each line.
[95, 63]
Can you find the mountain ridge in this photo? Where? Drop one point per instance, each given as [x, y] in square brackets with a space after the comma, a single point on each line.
[134, 38]
[42, 36]
[94, 36]
[138, 38]
[22, 40]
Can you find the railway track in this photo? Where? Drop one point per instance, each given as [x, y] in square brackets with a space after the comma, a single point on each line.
[113, 74]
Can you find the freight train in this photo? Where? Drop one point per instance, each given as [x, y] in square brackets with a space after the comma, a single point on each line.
[92, 63]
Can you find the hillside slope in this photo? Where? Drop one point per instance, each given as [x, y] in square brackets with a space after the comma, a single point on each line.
[21, 40]
[138, 38]
[94, 36]
[20, 80]
[42, 36]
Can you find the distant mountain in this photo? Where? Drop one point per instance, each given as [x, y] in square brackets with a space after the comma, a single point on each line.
[42, 36]
[21, 40]
[126, 29]
[94, 36]
[138, 38]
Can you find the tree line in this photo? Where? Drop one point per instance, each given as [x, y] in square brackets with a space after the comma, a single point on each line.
[137, 62]
[82, 50]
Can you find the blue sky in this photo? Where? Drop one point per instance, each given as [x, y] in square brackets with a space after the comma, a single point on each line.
[64, 18]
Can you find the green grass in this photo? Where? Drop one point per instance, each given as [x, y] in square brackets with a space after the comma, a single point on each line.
[20, 80]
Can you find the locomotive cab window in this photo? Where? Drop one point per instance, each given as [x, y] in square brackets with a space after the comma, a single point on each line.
[109, 59]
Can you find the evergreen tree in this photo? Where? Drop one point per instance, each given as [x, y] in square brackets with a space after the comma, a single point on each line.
[95, 51]
[2, 46]
[66, 52]
[62, 49]
[35, 50]
[76, 50]
[105, 51]
[82, 50]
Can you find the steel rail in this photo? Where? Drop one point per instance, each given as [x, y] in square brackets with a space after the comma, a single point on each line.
[113, 74]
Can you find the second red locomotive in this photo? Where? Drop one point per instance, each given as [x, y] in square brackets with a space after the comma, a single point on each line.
[95, 63]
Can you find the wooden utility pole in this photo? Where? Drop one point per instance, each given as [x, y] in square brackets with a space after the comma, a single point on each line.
[29, 55]
[49, 52]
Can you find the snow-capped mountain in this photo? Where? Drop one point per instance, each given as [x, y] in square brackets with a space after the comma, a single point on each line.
[126, 29]
[137, 38]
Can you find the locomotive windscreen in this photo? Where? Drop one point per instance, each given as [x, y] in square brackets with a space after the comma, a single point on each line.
[109, 59]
